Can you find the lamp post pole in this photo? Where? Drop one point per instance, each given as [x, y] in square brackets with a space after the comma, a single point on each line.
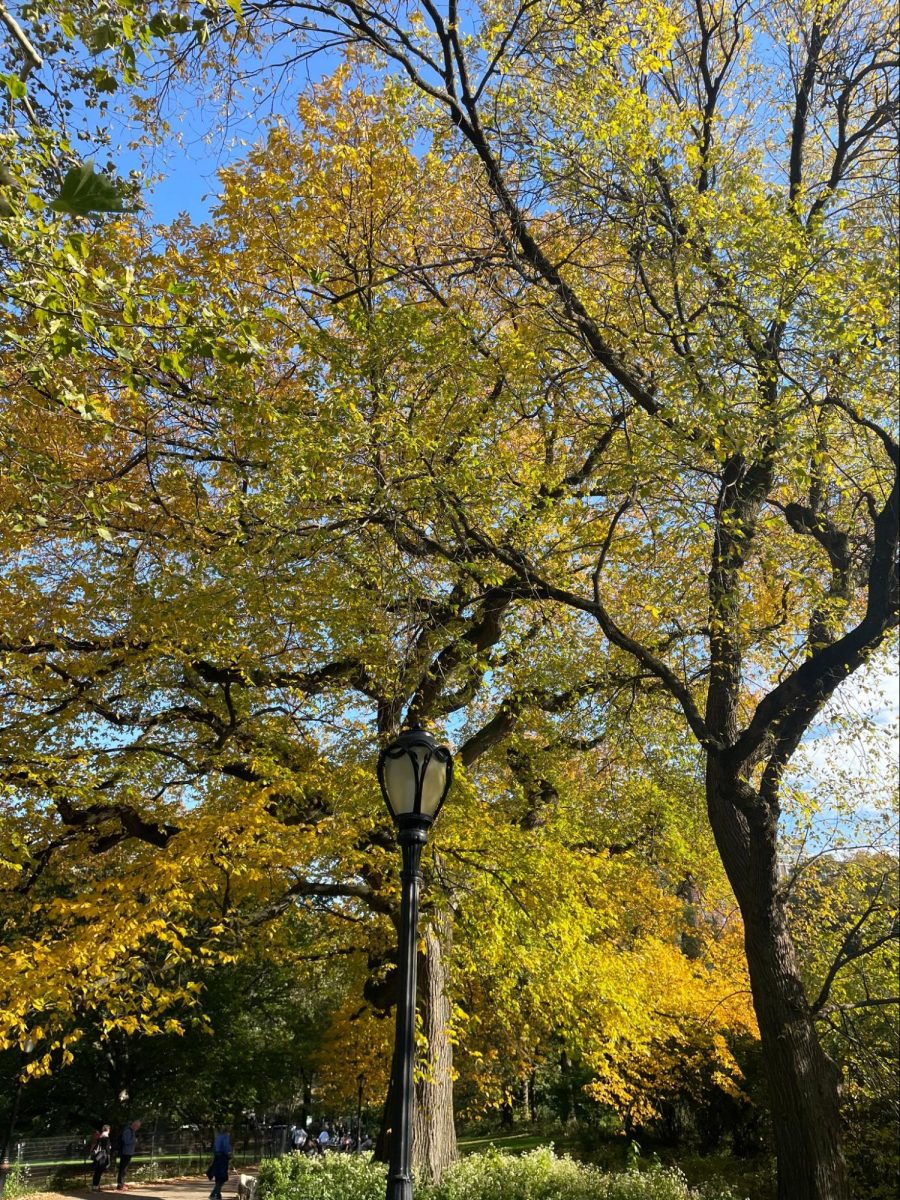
[415, 774]
[360, 1079]
[400, 1169]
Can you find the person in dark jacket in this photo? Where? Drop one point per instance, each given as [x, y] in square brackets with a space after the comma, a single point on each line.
[218, 1168]
[127, 1147]
[101, 1153]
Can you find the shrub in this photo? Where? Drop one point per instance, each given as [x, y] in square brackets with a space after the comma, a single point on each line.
[18, 1181]
[539, 1175]
[332, 1177]
[148, 1172]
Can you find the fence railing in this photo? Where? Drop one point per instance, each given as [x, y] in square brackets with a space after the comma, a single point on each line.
[67, 1160]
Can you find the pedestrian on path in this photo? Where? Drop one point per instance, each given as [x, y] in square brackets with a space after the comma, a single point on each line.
[101, 1153]
[127, 1147]
[218, 1168]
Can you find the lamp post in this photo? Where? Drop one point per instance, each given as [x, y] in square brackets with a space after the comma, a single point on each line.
[415, 774]
[360, 1079]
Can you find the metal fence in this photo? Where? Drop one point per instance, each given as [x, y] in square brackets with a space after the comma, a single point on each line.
[64, 1160]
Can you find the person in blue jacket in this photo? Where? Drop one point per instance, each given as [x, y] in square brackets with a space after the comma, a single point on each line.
[127, 1148]
[218, 1168]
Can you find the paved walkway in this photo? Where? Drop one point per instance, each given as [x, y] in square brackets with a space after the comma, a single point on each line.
[167, 1189]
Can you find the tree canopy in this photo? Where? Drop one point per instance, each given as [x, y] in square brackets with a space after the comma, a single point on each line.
[540, 390]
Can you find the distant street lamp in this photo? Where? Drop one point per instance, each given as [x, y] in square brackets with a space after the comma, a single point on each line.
[360, 1079]
[415, 774]
[4, 1156]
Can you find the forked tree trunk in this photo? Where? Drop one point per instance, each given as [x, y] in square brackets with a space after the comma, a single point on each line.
[434, 1132]
[804, 1083]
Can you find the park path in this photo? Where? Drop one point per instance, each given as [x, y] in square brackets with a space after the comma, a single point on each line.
[166, 1189]
[174, 1189]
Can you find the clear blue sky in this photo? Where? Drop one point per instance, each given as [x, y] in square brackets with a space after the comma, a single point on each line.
[183, 166]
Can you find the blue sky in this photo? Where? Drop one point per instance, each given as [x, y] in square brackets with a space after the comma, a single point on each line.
[202, 140]
[184, 168]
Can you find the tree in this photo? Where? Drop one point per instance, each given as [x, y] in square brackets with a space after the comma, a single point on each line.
[173, 704]
[705, 437]
[250, 1048]
[843, 913]
[732, 319]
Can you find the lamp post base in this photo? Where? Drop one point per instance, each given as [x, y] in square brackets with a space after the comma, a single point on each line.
[400, 1188]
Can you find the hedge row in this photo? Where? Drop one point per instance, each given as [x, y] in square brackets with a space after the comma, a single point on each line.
[539, 1175]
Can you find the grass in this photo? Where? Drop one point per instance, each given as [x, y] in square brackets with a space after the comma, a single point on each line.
[511, 1143]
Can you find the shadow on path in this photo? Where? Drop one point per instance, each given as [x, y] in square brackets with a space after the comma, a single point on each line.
[166, 1189]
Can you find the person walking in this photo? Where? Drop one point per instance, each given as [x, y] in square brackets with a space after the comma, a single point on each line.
[218, 1168]
[127, 1147]
[298, 1139]
[101, 1153]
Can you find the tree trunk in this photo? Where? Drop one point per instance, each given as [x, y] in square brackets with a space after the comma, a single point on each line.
[804, 1084]
[382, 1148]
[569, 1109]
[528, 1100]
[434, 1133]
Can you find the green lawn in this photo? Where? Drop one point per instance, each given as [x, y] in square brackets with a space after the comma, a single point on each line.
[512, 1143]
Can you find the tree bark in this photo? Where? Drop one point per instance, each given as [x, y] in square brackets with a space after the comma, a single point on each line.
[804, 1083]
[528, 1100]
[434, 1132]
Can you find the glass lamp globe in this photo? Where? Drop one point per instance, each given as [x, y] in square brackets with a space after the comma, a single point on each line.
[415, 774]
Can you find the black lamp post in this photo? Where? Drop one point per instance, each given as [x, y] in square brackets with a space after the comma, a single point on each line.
[415, 774]
[360, 1079]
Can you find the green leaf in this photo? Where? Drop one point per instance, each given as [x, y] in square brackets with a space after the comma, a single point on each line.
[160, 24]
[15, 86]
[84, 191]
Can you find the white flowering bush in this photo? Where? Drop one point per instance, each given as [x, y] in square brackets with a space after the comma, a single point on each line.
[330, 1177]
[539, 1175]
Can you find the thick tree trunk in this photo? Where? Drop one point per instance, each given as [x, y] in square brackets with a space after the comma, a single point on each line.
[804, 1084]
[434, 1133]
